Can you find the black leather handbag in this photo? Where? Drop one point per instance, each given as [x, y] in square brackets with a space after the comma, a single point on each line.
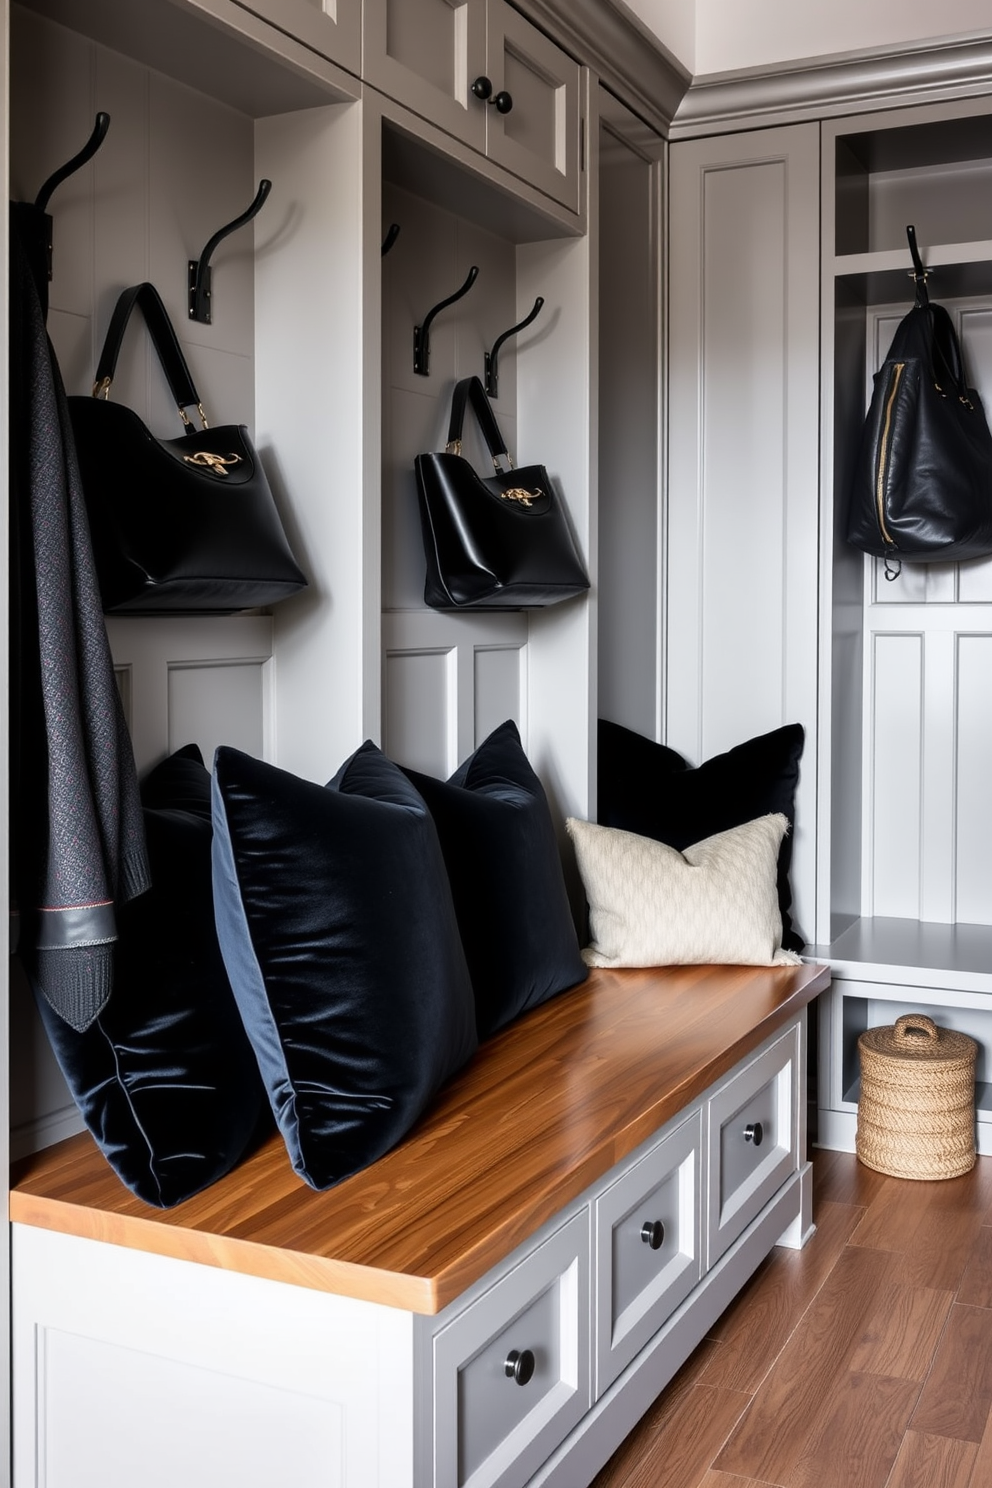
[185, 525]
[497, 542]
[922, 488]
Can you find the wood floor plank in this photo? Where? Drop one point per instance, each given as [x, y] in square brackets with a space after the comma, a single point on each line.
[894, 1215]
[933, 1462]
[976, 1284]
[981, 1473]
[616, 1472]
[756, 1327]
[859, 1435]
[772, 1435]
[957, 1396]
[944, 1242]
[681, 1453]
[901, 1335]
[714, 1479]
[840, 1177]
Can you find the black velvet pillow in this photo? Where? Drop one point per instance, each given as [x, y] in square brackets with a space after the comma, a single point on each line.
[506, 877]
[337, 926]
[649, 789]
[165, 1078]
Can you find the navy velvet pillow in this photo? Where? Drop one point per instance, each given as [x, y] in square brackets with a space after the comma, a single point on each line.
[506, 877]
[339, 934]
[649, 789]
[165, 1078]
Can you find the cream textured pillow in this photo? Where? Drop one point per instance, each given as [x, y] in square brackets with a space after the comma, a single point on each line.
[652, 906]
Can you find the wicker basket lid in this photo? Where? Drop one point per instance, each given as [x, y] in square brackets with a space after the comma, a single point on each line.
[917, 1038]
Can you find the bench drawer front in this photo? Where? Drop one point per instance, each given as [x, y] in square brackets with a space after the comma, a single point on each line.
[753, 1141]
[491, 1426]
[648, 1251]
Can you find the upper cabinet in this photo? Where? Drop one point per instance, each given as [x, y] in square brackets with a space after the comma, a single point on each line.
[331, 27]
[483, 73]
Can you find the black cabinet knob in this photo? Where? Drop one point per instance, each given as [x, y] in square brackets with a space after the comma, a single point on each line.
[519, 1365]
[754, 1133]
[653, 1233]
[483, 88]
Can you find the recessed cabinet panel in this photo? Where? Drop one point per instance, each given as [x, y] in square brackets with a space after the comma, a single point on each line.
[427, 54]
[647, 1247]
[331, 27]
[753, 1141]
[537, 137]
[511, 1372]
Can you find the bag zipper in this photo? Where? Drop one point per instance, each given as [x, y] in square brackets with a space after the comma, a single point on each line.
[898, 369]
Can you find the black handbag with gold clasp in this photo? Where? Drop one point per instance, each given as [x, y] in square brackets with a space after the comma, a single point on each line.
[185, 525]
[496, 542]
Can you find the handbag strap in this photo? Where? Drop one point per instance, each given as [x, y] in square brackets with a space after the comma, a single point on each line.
[165, 341]
[948, 367]
[471, 391]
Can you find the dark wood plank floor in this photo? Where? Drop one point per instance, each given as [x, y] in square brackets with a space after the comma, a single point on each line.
[862, 1361]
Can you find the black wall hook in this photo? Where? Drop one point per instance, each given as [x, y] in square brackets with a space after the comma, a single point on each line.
[492, 362]
[199, 268]
[919, 273]
[96, 139]
[390, 238]
[421, 333]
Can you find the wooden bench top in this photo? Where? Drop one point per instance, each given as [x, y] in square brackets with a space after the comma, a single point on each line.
[541, 1112]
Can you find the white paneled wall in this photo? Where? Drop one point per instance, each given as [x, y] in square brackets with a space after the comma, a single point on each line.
[928, 706]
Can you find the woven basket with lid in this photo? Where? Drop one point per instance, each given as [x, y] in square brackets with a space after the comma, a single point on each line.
[916, 1115]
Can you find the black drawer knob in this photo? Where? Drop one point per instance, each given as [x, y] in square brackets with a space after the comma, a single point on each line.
[519, 1365]
[653, 1233]
[754, 1132]
[483, 88]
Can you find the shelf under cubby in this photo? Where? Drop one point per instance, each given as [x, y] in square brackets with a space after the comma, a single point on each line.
[886, 275]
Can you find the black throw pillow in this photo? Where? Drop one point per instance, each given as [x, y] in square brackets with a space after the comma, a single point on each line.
[649, 789]
[165, 1078]
[506, 877]
[340, 938]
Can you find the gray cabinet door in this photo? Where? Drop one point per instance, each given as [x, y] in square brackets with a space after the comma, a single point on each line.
[426, 54]
[743, 526]
[538, 137]
[331, 27]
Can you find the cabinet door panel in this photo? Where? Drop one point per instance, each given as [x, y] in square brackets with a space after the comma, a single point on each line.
[331, 27]
[427, 54]
[538, 138]
[743, 453]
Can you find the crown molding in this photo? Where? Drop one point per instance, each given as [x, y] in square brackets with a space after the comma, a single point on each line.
[925, 72]
[626, 57]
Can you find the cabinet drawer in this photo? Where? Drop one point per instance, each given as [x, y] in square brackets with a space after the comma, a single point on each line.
[490, 1426]
[647, 1247]
[753, 1141]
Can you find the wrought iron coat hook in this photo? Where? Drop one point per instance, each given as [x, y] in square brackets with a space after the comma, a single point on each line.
[919, 273]
[390, 238]
[90, 148]
[199, 268]
[492, 363]
[421, 333]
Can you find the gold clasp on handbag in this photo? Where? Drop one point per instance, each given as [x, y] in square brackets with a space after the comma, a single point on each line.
[517, 493]
[206, 460]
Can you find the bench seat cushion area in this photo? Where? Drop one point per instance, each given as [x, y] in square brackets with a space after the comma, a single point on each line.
[337, 926]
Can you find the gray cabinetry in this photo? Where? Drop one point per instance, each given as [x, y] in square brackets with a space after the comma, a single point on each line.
[481, 72]
[331, 27]
[743, 440]
[905, 812]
